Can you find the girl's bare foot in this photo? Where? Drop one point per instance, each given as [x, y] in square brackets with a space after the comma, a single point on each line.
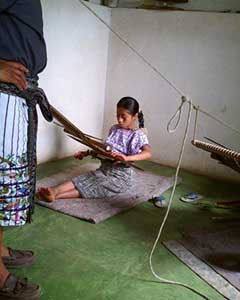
[47, 194]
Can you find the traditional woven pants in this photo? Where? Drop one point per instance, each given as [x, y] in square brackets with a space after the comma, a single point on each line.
[17, 164]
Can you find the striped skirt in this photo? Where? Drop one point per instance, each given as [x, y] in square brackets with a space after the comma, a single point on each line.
[16, 186]
[107, 181]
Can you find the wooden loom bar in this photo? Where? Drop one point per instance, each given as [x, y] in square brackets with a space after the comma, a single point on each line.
[217, 149]
[73, 132]
[71, 129]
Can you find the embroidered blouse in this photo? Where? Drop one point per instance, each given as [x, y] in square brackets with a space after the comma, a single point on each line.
[126, 141]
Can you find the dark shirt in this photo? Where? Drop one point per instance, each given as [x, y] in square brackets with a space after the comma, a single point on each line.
[21, 34]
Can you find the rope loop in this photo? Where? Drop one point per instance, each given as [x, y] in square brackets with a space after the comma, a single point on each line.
[177, 115]
[196, 108]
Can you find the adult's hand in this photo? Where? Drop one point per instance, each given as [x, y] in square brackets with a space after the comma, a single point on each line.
[13, 72]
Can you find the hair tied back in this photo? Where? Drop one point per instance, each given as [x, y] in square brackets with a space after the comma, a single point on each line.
[141, 119]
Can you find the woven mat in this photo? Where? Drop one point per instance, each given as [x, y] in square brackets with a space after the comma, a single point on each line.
[145, 186]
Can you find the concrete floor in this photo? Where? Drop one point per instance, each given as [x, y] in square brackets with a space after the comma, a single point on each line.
[78, 260]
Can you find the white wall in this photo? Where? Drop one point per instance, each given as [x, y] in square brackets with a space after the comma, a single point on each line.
[75, 76]
[200, 54]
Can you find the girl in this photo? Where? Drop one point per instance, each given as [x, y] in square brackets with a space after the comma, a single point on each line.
[127, 142]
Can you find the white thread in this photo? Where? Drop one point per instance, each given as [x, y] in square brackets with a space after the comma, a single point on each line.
[191, 105]
[195, 122]
[215, 118]
[132, 48]
[237, 163]
[155, 69]
[177, 113]
[163, 280]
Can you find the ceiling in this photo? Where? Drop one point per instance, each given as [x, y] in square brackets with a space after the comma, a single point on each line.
[205, 5]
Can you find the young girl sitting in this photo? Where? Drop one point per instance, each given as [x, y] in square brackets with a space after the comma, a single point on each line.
[127, 142]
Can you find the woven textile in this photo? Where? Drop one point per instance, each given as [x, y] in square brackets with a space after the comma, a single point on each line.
[14, 172]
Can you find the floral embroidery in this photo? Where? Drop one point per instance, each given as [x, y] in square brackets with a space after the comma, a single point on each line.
[126, 141]
[15, 182]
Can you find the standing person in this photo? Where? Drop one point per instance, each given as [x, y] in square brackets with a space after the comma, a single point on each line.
[22, 57]
[127, 142]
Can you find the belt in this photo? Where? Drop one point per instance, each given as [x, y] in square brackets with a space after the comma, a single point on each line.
[33, 95]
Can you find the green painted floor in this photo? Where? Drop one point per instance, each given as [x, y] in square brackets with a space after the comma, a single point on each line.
[79, 260]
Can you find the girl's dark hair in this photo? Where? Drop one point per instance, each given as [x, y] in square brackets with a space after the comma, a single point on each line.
[132, 106]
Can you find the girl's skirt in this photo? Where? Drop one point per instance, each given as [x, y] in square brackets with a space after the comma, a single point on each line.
[15, 187]
[107, 181]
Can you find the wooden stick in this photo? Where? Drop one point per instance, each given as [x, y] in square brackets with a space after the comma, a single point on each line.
[217, 149]
[99, 148]
[110, 158]
[211, 140]
[99, 156]
[70, 127]
[96, 143]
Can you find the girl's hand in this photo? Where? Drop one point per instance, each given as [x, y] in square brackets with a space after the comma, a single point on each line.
[80, 154]
[13, 72]
[119, 157]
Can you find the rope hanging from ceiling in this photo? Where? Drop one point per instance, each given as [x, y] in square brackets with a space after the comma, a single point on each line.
[178, 113]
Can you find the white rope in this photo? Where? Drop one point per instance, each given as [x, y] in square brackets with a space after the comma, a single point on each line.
[132, 48]
[237, 163]
[163, 280]
[195, 122]
[156, 70]
[218, 120]
[177, 114]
